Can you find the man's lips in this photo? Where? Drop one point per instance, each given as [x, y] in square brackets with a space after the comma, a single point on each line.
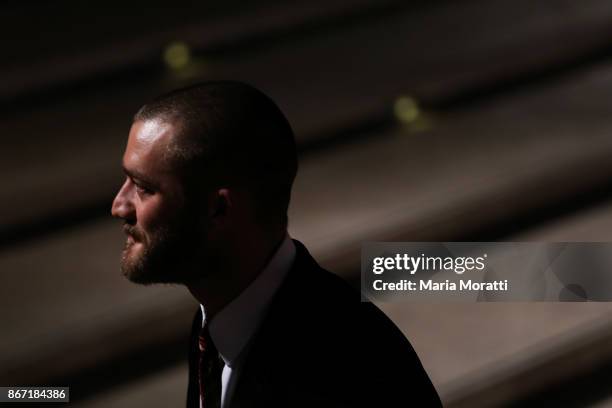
[130, 243]
[130, 232]
[132, 237]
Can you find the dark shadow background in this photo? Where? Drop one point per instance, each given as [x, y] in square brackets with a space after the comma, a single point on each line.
[416, 121]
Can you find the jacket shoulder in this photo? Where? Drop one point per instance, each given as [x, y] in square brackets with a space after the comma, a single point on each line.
[318, 327]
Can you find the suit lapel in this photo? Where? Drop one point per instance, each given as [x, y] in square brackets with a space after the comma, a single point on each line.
[267, 376]
[263, 378]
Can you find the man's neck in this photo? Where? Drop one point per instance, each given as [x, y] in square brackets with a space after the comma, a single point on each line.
[236, 270]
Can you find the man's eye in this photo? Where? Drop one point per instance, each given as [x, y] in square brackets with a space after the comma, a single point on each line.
[143, 190]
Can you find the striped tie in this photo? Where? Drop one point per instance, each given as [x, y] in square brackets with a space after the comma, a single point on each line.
[210, 370]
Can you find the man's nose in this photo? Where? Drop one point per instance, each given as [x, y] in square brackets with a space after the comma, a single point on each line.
[122, 204]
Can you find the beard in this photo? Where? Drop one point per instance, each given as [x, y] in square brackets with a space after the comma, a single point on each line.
[163, 255]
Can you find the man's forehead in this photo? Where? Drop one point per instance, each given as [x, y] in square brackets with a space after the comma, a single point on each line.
[147, 146]
[150, 134]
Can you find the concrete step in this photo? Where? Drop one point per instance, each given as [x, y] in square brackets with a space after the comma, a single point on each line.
[60, 160]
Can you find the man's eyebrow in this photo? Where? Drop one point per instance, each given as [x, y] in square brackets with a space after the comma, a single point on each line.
[138, 176]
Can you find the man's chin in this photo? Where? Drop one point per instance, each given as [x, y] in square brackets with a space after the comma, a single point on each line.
[158, 261]
[132, 264]
[139, 272]
[137, 276]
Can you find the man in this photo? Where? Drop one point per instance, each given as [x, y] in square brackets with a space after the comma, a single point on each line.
[209, 171]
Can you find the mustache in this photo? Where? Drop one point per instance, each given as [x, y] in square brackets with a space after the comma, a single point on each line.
[132, 231]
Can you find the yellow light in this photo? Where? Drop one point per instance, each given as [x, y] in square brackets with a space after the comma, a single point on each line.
[177, 55]
[406, 109]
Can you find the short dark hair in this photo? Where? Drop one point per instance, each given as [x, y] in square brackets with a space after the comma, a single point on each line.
[231, 133]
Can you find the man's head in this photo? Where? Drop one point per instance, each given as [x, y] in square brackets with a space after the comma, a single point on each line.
[205, 165]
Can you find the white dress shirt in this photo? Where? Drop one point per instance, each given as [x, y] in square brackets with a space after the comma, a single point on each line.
[235, 324]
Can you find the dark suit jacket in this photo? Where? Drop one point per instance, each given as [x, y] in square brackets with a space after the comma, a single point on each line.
[320, 346]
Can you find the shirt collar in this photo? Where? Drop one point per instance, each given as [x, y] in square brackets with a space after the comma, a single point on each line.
[234, 325]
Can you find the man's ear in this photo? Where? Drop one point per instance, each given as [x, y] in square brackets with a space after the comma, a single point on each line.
[219, 204]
